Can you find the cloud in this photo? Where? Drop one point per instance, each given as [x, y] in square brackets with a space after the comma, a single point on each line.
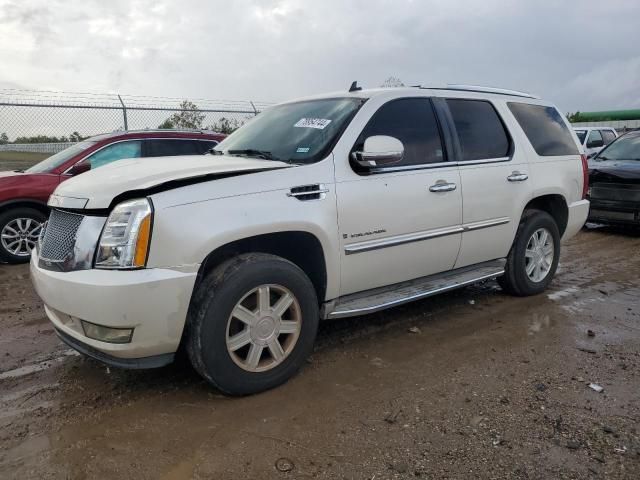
[583, 56]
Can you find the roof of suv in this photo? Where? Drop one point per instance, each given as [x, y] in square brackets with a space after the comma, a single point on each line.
[164, 133]
[578, 127]
[467, 91]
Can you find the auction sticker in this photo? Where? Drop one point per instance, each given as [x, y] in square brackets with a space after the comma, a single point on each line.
[319, 123]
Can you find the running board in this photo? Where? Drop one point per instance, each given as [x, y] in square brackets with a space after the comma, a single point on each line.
[377, 299]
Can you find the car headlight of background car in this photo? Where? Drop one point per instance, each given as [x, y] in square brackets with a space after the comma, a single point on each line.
[124, 242]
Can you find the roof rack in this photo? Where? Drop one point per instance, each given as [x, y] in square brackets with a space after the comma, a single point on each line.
[481, 89]
[160, 130]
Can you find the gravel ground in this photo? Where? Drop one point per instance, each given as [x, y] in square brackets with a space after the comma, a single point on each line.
[470, 384]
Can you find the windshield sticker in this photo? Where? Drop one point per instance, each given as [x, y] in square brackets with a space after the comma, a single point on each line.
[302, 150]
[319, 123]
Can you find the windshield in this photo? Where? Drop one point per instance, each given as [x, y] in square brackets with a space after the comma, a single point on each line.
[624, 148]
[581, 135]
[54, 161]
[301, 132]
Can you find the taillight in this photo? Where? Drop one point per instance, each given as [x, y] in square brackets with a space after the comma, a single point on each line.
[585, 176]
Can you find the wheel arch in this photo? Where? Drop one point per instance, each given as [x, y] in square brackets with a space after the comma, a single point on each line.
[24, 203]
[555, 205]
[302, 248]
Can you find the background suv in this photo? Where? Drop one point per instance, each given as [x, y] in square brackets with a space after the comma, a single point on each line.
[594, 139]
[24, 194]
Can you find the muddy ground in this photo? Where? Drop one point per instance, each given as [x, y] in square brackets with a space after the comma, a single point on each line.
[471, 384]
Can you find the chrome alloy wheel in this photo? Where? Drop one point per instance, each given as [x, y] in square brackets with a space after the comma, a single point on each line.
[263, 328]
[539, 255]
[20, 235]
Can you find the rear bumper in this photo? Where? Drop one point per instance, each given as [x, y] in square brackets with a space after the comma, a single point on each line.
[153, 302]
[578, 212]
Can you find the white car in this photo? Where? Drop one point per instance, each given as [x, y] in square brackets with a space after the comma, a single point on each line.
[330, 206]
[594, 139]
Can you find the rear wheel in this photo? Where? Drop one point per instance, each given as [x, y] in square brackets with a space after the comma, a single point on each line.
[533, 259]
[19, 231]
[252, 324]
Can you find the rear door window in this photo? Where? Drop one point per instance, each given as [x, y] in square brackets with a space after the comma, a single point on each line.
[115, 152]
[480, 131]
[205, 146]
[608, 136]
[169, 147]
[595, 139]
[544, 128]
[413, 122]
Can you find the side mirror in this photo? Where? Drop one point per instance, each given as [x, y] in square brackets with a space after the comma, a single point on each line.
[595, 144]
[379, 151]
[80, 167]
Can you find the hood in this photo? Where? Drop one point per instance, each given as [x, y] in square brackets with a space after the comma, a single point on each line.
[614, 171]
[10, 174]
[96, 189]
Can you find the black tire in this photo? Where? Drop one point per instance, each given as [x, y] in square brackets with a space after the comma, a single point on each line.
[7, 217]
[216, 297]
[515, 280]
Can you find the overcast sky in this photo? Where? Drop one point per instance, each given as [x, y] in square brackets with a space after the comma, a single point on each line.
[582, 55]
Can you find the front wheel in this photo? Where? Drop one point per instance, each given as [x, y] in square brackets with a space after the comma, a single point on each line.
[533, 259]
[252, 323]
[19, 231]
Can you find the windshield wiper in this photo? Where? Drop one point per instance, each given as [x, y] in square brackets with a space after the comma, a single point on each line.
[213, 151]
[20, 170]
[602, 157]
[252, 152]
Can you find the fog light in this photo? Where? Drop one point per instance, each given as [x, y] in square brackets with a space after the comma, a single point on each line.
[107, 334]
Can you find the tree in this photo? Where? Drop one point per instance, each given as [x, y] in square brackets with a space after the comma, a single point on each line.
[4, 138]
[573, 117]
[40, 139]
[189, 116]
[167, 124]
[76, 137]
[392, 82]
[225, 125]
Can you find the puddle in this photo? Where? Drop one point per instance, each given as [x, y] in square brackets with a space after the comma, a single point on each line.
[562, 293]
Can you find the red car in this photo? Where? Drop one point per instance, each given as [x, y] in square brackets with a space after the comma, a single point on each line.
[24, 194]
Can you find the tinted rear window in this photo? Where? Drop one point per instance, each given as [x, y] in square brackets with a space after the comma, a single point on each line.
[168, 147]
[480, 130]
[545, 129]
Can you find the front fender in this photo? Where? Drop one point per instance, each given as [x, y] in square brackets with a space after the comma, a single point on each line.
[186, 234]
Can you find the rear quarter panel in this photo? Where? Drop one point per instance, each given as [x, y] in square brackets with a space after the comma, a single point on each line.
[554, 175]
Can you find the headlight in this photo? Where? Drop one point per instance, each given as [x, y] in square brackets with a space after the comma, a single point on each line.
[124, 242]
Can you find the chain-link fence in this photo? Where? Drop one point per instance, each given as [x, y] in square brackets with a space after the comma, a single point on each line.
[41, 122]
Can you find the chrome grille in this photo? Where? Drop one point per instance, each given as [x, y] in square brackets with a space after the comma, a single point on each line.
[59, 235]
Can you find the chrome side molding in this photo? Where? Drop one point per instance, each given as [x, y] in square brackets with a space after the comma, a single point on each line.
[419, 236]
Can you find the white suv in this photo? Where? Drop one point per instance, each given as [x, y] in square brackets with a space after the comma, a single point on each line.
[326, 207]
[594, 139]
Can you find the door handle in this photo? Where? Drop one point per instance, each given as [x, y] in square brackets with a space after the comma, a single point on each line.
[517, 177]
[442, 186]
